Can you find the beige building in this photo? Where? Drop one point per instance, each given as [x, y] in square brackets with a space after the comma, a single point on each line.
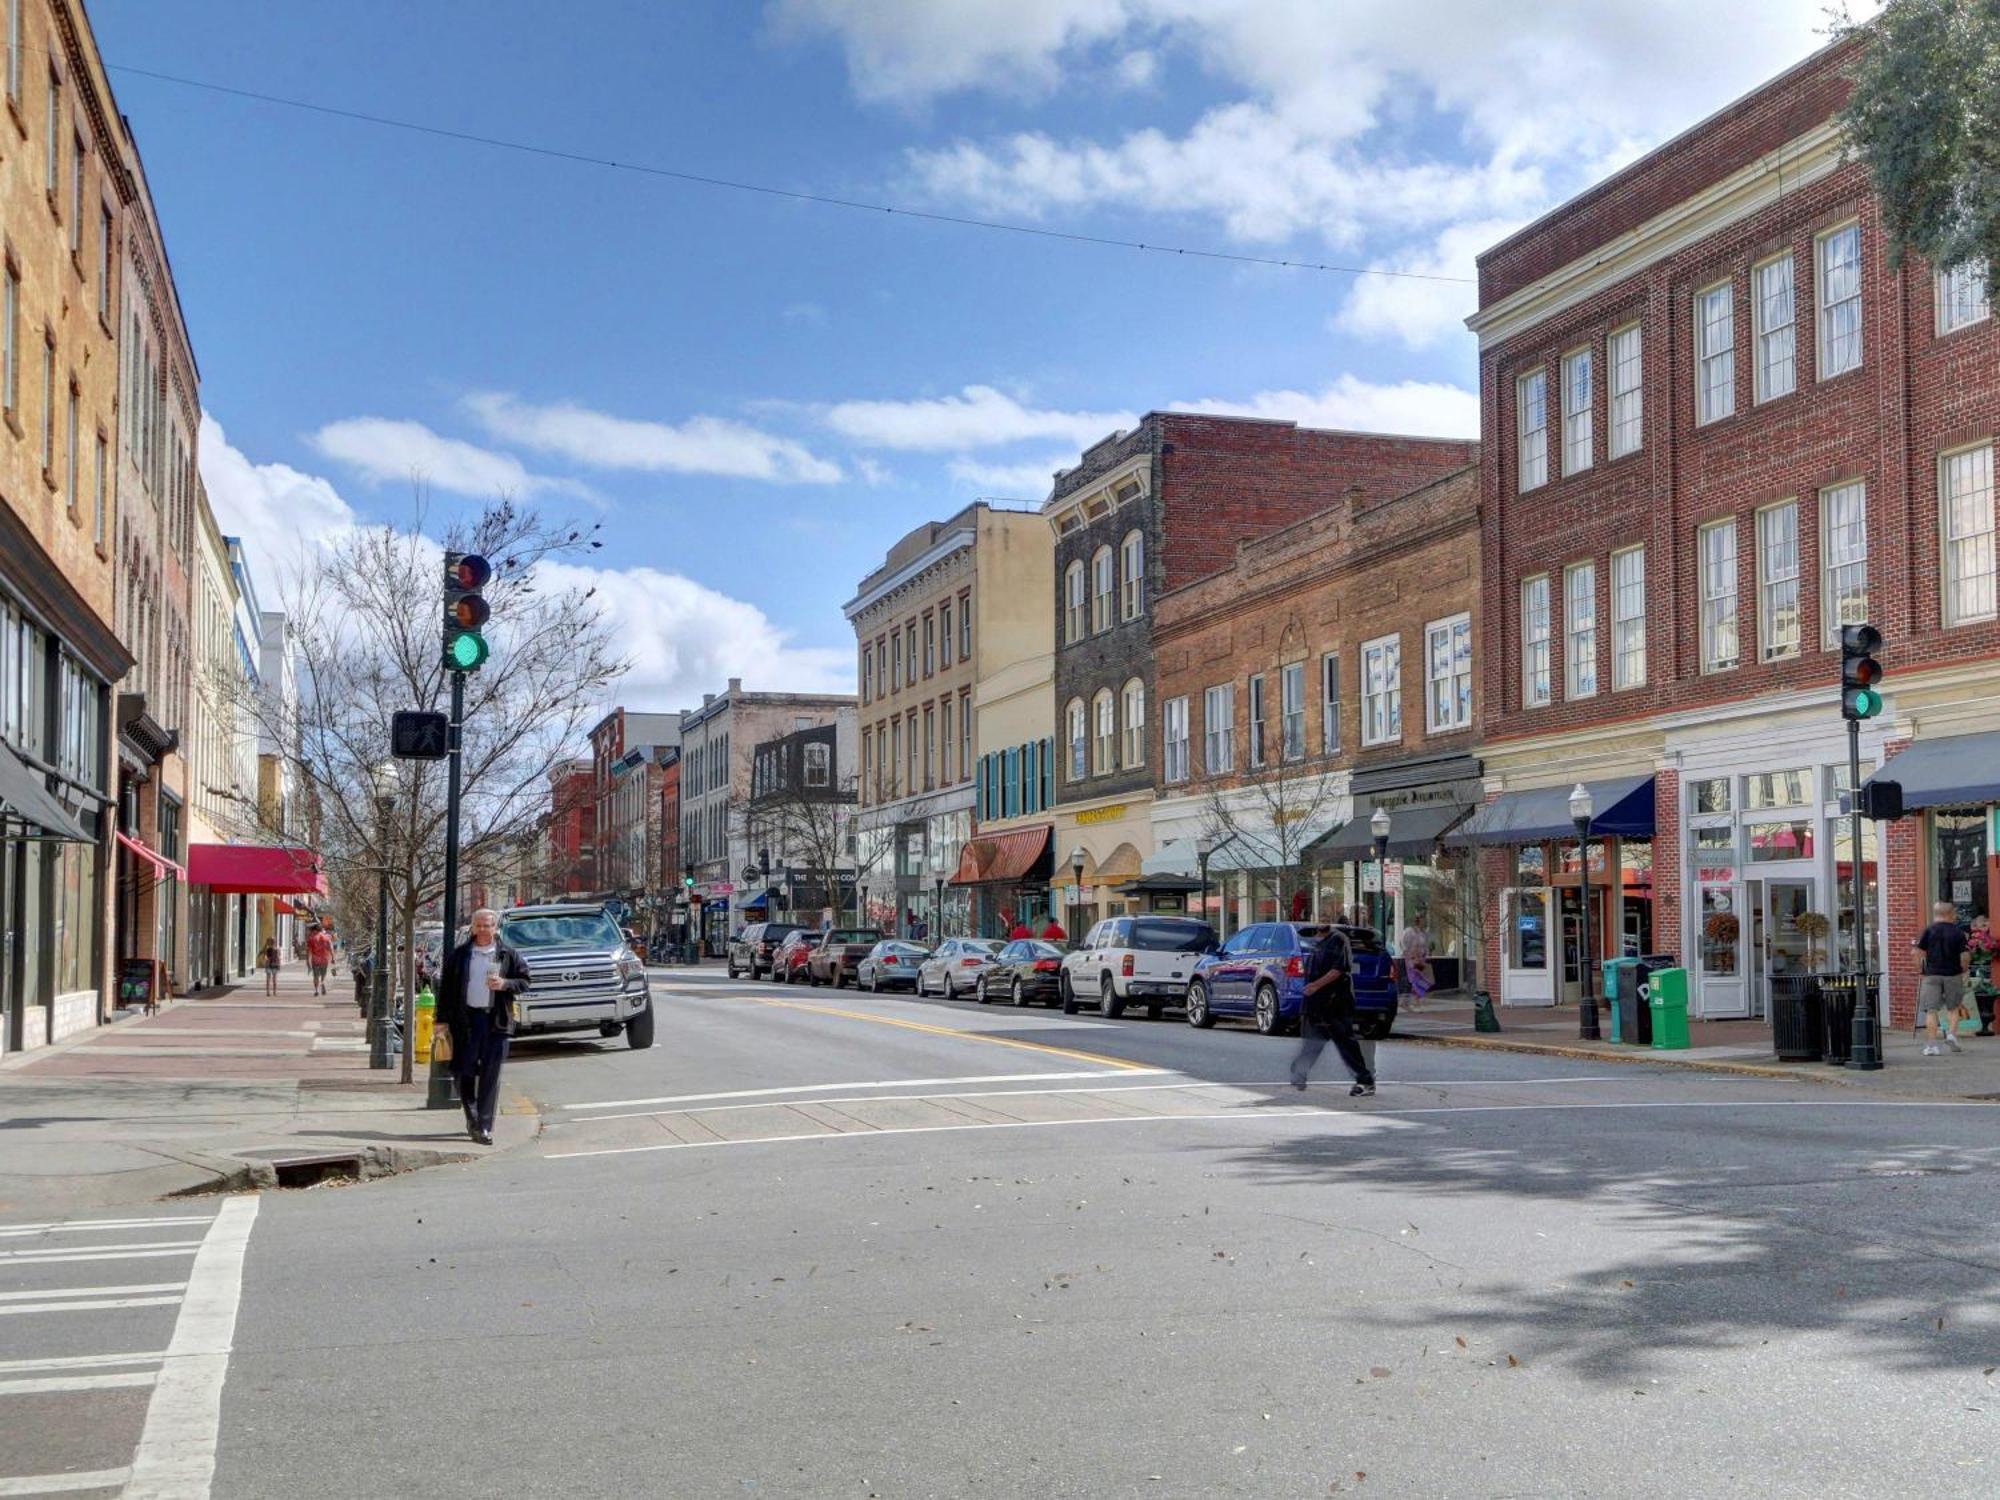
[953, 602]
[213, 746]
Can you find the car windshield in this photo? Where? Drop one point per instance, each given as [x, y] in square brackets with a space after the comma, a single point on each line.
[988, 946]
[901, 949]
[1040, 949]
[854, 935]
[1171, 937]
[569, 930]
[1362, 940]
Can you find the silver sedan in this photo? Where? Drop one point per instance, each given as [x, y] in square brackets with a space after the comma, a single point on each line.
[954, 969]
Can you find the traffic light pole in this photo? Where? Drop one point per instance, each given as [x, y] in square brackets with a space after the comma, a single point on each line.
[1863, 1052]
[443, 1092]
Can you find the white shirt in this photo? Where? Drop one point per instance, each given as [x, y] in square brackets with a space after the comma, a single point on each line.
[477, 996]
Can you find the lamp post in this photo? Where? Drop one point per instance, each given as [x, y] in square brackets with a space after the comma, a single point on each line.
[385, 779]
[1204, 846]
[1378, 825]
[937, 910]
[1076, 858]
[1581, 810]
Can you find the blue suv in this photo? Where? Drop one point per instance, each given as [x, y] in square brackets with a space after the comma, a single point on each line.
[1261, 973]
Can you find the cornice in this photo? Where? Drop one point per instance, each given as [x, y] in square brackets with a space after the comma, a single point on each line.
[963, 539]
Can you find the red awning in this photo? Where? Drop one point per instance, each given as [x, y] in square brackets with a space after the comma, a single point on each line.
[255, 870]
[1003, 858]
[162, 866]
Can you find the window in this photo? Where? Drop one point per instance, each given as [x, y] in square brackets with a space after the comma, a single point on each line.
[965, 733]
[1100, 592]
[871, 786]
[965, 625]
[14, 50]
[1073, 617]
[1133, 707]
[867, 673]
[1292, 710]
[944, 636]
[1535, 641]
[1531, 419]
[1628, 618]
[1843, 550]
[1174, 759]
[1839, 301]
[1578, 403]
[1961, 296]
[1763, 790]
[1329, 703]
[947, 747]
[10, 378]
[819, 763]
[1715, 353]
[1079, 737]
[910, 653]
[76, 195]
[1580, 630]
[1382, 690]
[1966, 488]
[1627, 396]
[1256, 722]
[930, 747]
[1132, 569]
[930, 644]
[896, 666]
[54, 154]
[895, 754]
[1218, 727]
[1778, 581]
[1711, 795]
[1775, 339]
[73, 455]
[49, 406]
[1717, 548]
[910, 785]
[1448, 675]
[1105, 712]
[104, 263]
[103, 501]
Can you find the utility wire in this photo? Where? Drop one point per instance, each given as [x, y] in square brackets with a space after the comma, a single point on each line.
[555, 153]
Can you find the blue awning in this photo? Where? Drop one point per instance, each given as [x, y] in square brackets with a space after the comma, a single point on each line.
[1955, 770]
[1624, 808]
[755, 903]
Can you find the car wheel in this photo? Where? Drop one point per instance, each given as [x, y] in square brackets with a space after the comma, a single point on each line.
[839, 978]
[639, 1030]
[1020, 996]
[1268, 1023]
[1198, 1013]
[1068, 996]
[874, 985]
[1108, 1003]
[980, 990]
[732, 971]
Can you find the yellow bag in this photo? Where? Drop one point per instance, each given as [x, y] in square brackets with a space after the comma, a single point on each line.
[441, 1044]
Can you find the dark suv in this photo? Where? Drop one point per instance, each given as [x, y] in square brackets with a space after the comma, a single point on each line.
[751, 950]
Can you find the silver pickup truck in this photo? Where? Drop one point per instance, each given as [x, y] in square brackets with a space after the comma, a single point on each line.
[584, 976]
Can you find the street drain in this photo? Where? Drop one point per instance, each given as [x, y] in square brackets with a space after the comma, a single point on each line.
[310, 1171]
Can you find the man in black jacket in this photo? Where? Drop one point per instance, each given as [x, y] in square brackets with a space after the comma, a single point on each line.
[1328, 1014]
[475, 1002]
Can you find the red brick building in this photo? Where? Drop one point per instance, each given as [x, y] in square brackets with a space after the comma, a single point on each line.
[1719, 424]
[571, 856]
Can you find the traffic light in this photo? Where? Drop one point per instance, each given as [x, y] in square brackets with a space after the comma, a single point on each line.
[465, 611]
[1860, 672]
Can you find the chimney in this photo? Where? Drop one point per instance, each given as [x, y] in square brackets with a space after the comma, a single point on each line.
[706, 699]
[735, 686]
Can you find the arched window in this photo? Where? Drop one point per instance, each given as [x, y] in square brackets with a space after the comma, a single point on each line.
[1079, 734]
[1105, 756]
[1132, 570]
[1100, 591]
[1135, 723]
[1073, 615]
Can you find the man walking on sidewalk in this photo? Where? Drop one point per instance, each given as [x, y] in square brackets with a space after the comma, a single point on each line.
[319, 954]
[475, 1001]
[1942, 989]
[1328, 1014]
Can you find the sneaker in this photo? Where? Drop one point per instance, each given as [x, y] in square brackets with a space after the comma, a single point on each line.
[1931, 1050]
[1299, 1084]
[1951, 1041]
[1361, 1091]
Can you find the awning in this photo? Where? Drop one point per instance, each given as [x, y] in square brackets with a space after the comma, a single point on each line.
[1957, 769]
[1005, 858]
[162, 866]
[1413, 834]
[286, 908]
[1257, 849]
[25, 799]
[1117, 867]
[1177, 857]
[1624, 808]
[755, 903]
[255, 870]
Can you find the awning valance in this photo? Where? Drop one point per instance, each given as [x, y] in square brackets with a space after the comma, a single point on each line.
[1955, 770]
[27, 803]
[1624, 808]
[1008, 858]
[255, 870]
[1413, 834]
[162, 866]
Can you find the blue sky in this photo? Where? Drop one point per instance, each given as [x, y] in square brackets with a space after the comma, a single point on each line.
[757, 396]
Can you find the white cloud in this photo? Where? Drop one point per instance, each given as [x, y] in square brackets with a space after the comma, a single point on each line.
[278, 511]
[383, 450]
[1136, 70]
[700, 445]
[1429, 408]
[977, 417]
[1421, 314]
[1004, 481]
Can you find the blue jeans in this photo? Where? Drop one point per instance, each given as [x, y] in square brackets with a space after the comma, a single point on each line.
[477, 1064]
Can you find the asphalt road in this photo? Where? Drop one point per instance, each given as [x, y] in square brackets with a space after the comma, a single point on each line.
[826, 1245]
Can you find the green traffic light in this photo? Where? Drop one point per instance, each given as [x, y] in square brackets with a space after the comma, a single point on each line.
[467, 652]
[1867, 703]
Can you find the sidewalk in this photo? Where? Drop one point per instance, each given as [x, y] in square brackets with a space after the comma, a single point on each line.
[1726, 1046]
[231, 1089]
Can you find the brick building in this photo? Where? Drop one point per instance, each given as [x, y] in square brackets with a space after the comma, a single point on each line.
[1146, 512]
[570, 855]
[612, 738]
[1718, 425]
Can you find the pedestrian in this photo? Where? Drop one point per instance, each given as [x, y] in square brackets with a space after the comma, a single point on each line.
[475, 1002]
[1020, 930]
[319, 957]
[1413, 962]
[268, 962]
[1328, 1014]
[1942, 989]
[363, 970]
[1981, 949]
[1054, 933]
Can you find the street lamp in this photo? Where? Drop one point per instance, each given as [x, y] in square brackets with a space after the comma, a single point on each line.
[1581, 810]
[386, 779]
[1378, 824]
[1076, 858]
[1204, 846]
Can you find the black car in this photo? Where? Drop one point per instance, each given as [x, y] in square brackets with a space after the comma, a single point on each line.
[1026, 970]
[751, 950]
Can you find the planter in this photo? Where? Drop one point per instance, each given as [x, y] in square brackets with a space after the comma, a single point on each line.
[1798, 1018]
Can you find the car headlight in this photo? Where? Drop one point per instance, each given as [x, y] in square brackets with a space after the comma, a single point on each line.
[629, 968]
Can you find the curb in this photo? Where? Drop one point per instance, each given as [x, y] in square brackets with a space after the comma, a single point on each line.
[1630, 1059]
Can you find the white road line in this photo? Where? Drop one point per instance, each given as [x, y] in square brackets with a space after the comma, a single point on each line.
[94, 1291]
[145, 1250]
[64, 1484]
[884, 1083]
[86, 1226]
[95, 1306]
[78, 1362]
[45, 1384]
[176, 1455]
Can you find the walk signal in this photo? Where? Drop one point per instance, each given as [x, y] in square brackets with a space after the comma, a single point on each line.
[1860, 672]
[465, 611]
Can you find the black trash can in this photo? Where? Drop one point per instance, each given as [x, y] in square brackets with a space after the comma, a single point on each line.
[1798, 1018]
[1640, 1032]
[1837, 1005]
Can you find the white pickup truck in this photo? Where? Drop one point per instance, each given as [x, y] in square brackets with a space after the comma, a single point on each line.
[1143, 960]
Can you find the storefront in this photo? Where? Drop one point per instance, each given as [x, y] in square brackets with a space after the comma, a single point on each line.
[1003, 879]
[1113, 838]
[907, 860]
[230, 878]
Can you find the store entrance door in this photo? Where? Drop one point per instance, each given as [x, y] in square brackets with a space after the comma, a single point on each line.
[1777, 946]
[1573, 956]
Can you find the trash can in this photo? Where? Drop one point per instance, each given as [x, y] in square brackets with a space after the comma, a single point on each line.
[1667, 999]
[1483, 1017]
[1621, 988]
[426, 1022]
[1646, 967]
[1798, 1018]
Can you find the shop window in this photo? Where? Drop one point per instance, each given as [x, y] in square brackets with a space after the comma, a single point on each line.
[1710, 796]
[1960, 851]
[1527, 930]
[1531, 866]
[1721, 927]
[1773, 841]
[1843, 901]
[1768, 789]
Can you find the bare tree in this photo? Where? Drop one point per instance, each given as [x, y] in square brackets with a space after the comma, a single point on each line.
[811, 828]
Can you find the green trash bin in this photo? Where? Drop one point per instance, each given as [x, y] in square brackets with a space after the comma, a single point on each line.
[1667, 998]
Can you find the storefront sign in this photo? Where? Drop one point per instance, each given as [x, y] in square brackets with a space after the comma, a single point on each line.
[1392, 878]
[1109, 814]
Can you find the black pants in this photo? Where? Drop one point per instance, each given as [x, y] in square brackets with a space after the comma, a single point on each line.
[476, 1059]
[1338, 1028]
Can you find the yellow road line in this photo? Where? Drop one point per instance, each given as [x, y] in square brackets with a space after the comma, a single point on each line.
[974, 1036]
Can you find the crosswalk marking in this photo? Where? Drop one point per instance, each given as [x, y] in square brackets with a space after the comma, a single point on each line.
[41, 1385]
[92, 1226]
[64, 1484]
[79, 1362]
[148, 1250]
[95, 1291]
[96, 1304]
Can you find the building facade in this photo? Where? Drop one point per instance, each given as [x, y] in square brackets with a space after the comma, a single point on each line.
[610, 739]
[801, 828]
[571, 854]
[217, 791]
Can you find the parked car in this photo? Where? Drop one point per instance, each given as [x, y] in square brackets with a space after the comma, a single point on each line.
[838, 954]
[890, 964]
[788, 964]
[955, 966]
[1026, 970]
[751, 950]
[583, 977]
[1142, 960]
[1260, 973]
